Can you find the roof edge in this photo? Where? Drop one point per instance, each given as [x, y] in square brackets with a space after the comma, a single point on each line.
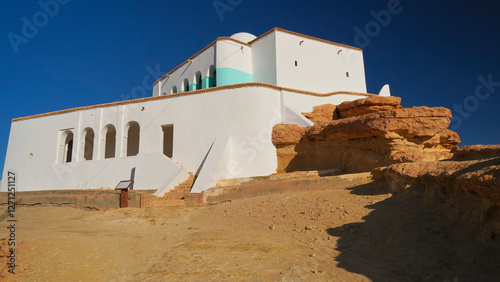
[194, 92]
[305, 36]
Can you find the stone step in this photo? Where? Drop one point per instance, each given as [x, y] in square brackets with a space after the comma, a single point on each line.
[285, 184]
[278, 176]
[168, 203]
[181, 190]
[257, 186]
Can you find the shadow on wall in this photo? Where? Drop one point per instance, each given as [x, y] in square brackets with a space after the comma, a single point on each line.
[403, 239]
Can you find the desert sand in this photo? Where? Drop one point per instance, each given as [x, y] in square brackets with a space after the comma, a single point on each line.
[357, 234]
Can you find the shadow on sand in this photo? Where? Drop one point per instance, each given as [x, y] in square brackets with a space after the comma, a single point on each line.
[403, 239]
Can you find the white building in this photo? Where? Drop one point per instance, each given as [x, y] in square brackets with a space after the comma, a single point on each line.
[212, 116]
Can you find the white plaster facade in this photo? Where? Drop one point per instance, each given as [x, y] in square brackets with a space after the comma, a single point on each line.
[278, 57]
[216, 130]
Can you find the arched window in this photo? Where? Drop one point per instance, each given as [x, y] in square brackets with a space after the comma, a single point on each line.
[109, 141]
[212, 77]
[186, 85]
[198, 80]
[174, 89]
[88, 144]
[66, 147]
[133, 133]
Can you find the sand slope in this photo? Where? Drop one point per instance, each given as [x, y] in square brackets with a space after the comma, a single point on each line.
[357, 234]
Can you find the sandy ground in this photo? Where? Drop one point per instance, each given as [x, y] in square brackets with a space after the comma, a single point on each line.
[358, 234]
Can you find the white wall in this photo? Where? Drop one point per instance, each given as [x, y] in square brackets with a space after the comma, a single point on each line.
[305, 103]
[264, 59]
[233, 62]
[245, 114]
[201, 62]
[321, 67]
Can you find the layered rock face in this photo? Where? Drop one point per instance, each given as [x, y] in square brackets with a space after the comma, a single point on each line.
[376, 133]
[354, 108]
[474, 152]
[466, 187]
[369, 105]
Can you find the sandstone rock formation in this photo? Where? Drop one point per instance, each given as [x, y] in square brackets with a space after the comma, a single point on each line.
[369, 105]
[361, 143]
[325, 112]
[467, 187]
[476, 152]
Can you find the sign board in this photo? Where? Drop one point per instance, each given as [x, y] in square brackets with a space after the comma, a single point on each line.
[124, 184]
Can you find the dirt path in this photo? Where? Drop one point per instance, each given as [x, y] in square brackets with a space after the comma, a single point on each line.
[358, 234]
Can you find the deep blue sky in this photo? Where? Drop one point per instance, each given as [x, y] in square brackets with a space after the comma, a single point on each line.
[90, 52]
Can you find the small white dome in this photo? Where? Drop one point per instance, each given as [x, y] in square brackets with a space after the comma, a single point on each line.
[243, 36]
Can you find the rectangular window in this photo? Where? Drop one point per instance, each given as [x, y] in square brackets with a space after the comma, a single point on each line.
[168, 140]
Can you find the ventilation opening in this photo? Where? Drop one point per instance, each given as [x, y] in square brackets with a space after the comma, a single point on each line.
[296, 64]
[347, 74]
[168, 140]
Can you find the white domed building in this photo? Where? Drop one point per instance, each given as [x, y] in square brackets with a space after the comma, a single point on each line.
[212, 116]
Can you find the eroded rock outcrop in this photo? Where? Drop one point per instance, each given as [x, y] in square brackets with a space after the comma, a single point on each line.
[476, 152]
[361, 143]
[468, 189]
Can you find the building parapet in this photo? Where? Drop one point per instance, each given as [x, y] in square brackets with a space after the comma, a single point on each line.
[193, 92]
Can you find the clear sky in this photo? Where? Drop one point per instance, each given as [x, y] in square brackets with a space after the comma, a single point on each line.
[59, 54]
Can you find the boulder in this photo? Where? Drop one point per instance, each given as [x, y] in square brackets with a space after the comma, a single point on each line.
[320, 113]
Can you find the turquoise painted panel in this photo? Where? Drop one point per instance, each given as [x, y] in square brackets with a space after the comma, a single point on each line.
[227, 76]
[206, 82]
[193, 87]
